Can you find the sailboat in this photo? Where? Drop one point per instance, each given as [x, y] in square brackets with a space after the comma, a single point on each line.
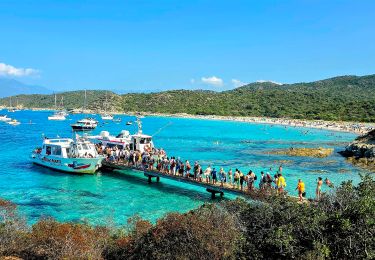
[11, 109]
[106, 116]
[58, 115]
[85, 123]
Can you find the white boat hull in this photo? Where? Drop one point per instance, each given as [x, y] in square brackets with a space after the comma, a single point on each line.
[56, 118]
[71, 165]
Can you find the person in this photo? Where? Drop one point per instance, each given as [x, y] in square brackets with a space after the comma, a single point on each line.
[236, 179]
[214, 176]
[250, 180]
[222, 176]
[262, 181]
[301, 189]
[188, 168]
[207, 173]
[242, 178]
[269, 181]
[195, 170]
[230, 177]
[318, 191]
[281, 184]
[329, 183]
[281, 169]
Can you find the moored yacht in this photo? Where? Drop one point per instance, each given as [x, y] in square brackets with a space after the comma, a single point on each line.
[59, 116]
[138, 141]
[68, 155]
[107, 117]
[85, 124]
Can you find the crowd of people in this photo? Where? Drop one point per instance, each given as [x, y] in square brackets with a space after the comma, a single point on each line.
[157, 160]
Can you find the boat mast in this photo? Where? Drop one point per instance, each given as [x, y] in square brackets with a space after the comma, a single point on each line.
[84, 103]
[10, 101]
[55, 101]
[139, 123]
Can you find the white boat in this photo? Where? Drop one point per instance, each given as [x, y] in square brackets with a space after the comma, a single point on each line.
[85, 124]
[107, 117]
[121, 140]
[58, 116]
[13, 122]
[67, 155]
[5, 118]
[138, 141]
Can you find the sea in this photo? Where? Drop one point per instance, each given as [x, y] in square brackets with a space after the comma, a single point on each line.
[114, 197]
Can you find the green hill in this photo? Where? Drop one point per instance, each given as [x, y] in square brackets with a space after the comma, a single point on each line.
[348, 98]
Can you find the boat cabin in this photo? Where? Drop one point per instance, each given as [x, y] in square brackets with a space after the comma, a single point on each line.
[67, 148]
[141, 143]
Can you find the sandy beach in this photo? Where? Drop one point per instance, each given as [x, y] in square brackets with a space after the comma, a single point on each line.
[352, 127]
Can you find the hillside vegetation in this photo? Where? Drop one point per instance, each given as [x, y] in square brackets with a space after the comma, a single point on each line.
[347, 98]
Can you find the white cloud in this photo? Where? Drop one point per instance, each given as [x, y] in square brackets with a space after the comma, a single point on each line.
[274, 82]
[237, 83]
[10, 71]
[213, 81]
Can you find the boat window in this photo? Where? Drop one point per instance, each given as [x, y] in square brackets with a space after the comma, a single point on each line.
[48, 150]
[79, 147]
[56, 150]
[85, 147]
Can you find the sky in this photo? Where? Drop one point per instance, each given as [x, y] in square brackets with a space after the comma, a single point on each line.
[138, 45]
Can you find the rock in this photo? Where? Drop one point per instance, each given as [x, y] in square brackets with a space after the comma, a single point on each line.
[361, 152]
[311, 152]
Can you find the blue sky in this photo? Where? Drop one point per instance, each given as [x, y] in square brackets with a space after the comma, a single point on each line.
[157, 45]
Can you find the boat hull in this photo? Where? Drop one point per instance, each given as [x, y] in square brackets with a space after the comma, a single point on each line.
[56, 118]
[82, 128]
[70, 165]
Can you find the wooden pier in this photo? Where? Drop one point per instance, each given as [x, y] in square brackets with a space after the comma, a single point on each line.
[211, 188]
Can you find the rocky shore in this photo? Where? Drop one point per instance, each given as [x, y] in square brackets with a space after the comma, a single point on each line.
[309, 152]
[361, 152]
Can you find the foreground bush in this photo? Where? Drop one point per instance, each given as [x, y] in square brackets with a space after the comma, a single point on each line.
[340, 226]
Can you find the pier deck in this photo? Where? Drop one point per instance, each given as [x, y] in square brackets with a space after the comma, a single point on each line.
[211, 188]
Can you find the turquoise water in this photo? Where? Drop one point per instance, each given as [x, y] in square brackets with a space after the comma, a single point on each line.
[114, 197]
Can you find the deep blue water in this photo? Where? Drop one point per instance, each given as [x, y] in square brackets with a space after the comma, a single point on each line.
[114, 197]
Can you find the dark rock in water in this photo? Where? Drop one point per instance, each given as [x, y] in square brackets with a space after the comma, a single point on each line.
[362, 151]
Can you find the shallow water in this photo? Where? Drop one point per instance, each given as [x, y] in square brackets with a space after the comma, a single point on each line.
[114, 197]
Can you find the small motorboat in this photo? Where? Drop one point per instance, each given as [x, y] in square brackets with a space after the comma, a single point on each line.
[117, 120]
[13, 122]
[129, 123]
[107, 117]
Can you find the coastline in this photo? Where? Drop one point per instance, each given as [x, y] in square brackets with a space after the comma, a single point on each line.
[339, 126]
[351, 127]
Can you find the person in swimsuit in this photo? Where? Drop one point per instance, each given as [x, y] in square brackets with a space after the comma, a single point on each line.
[319, 188]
